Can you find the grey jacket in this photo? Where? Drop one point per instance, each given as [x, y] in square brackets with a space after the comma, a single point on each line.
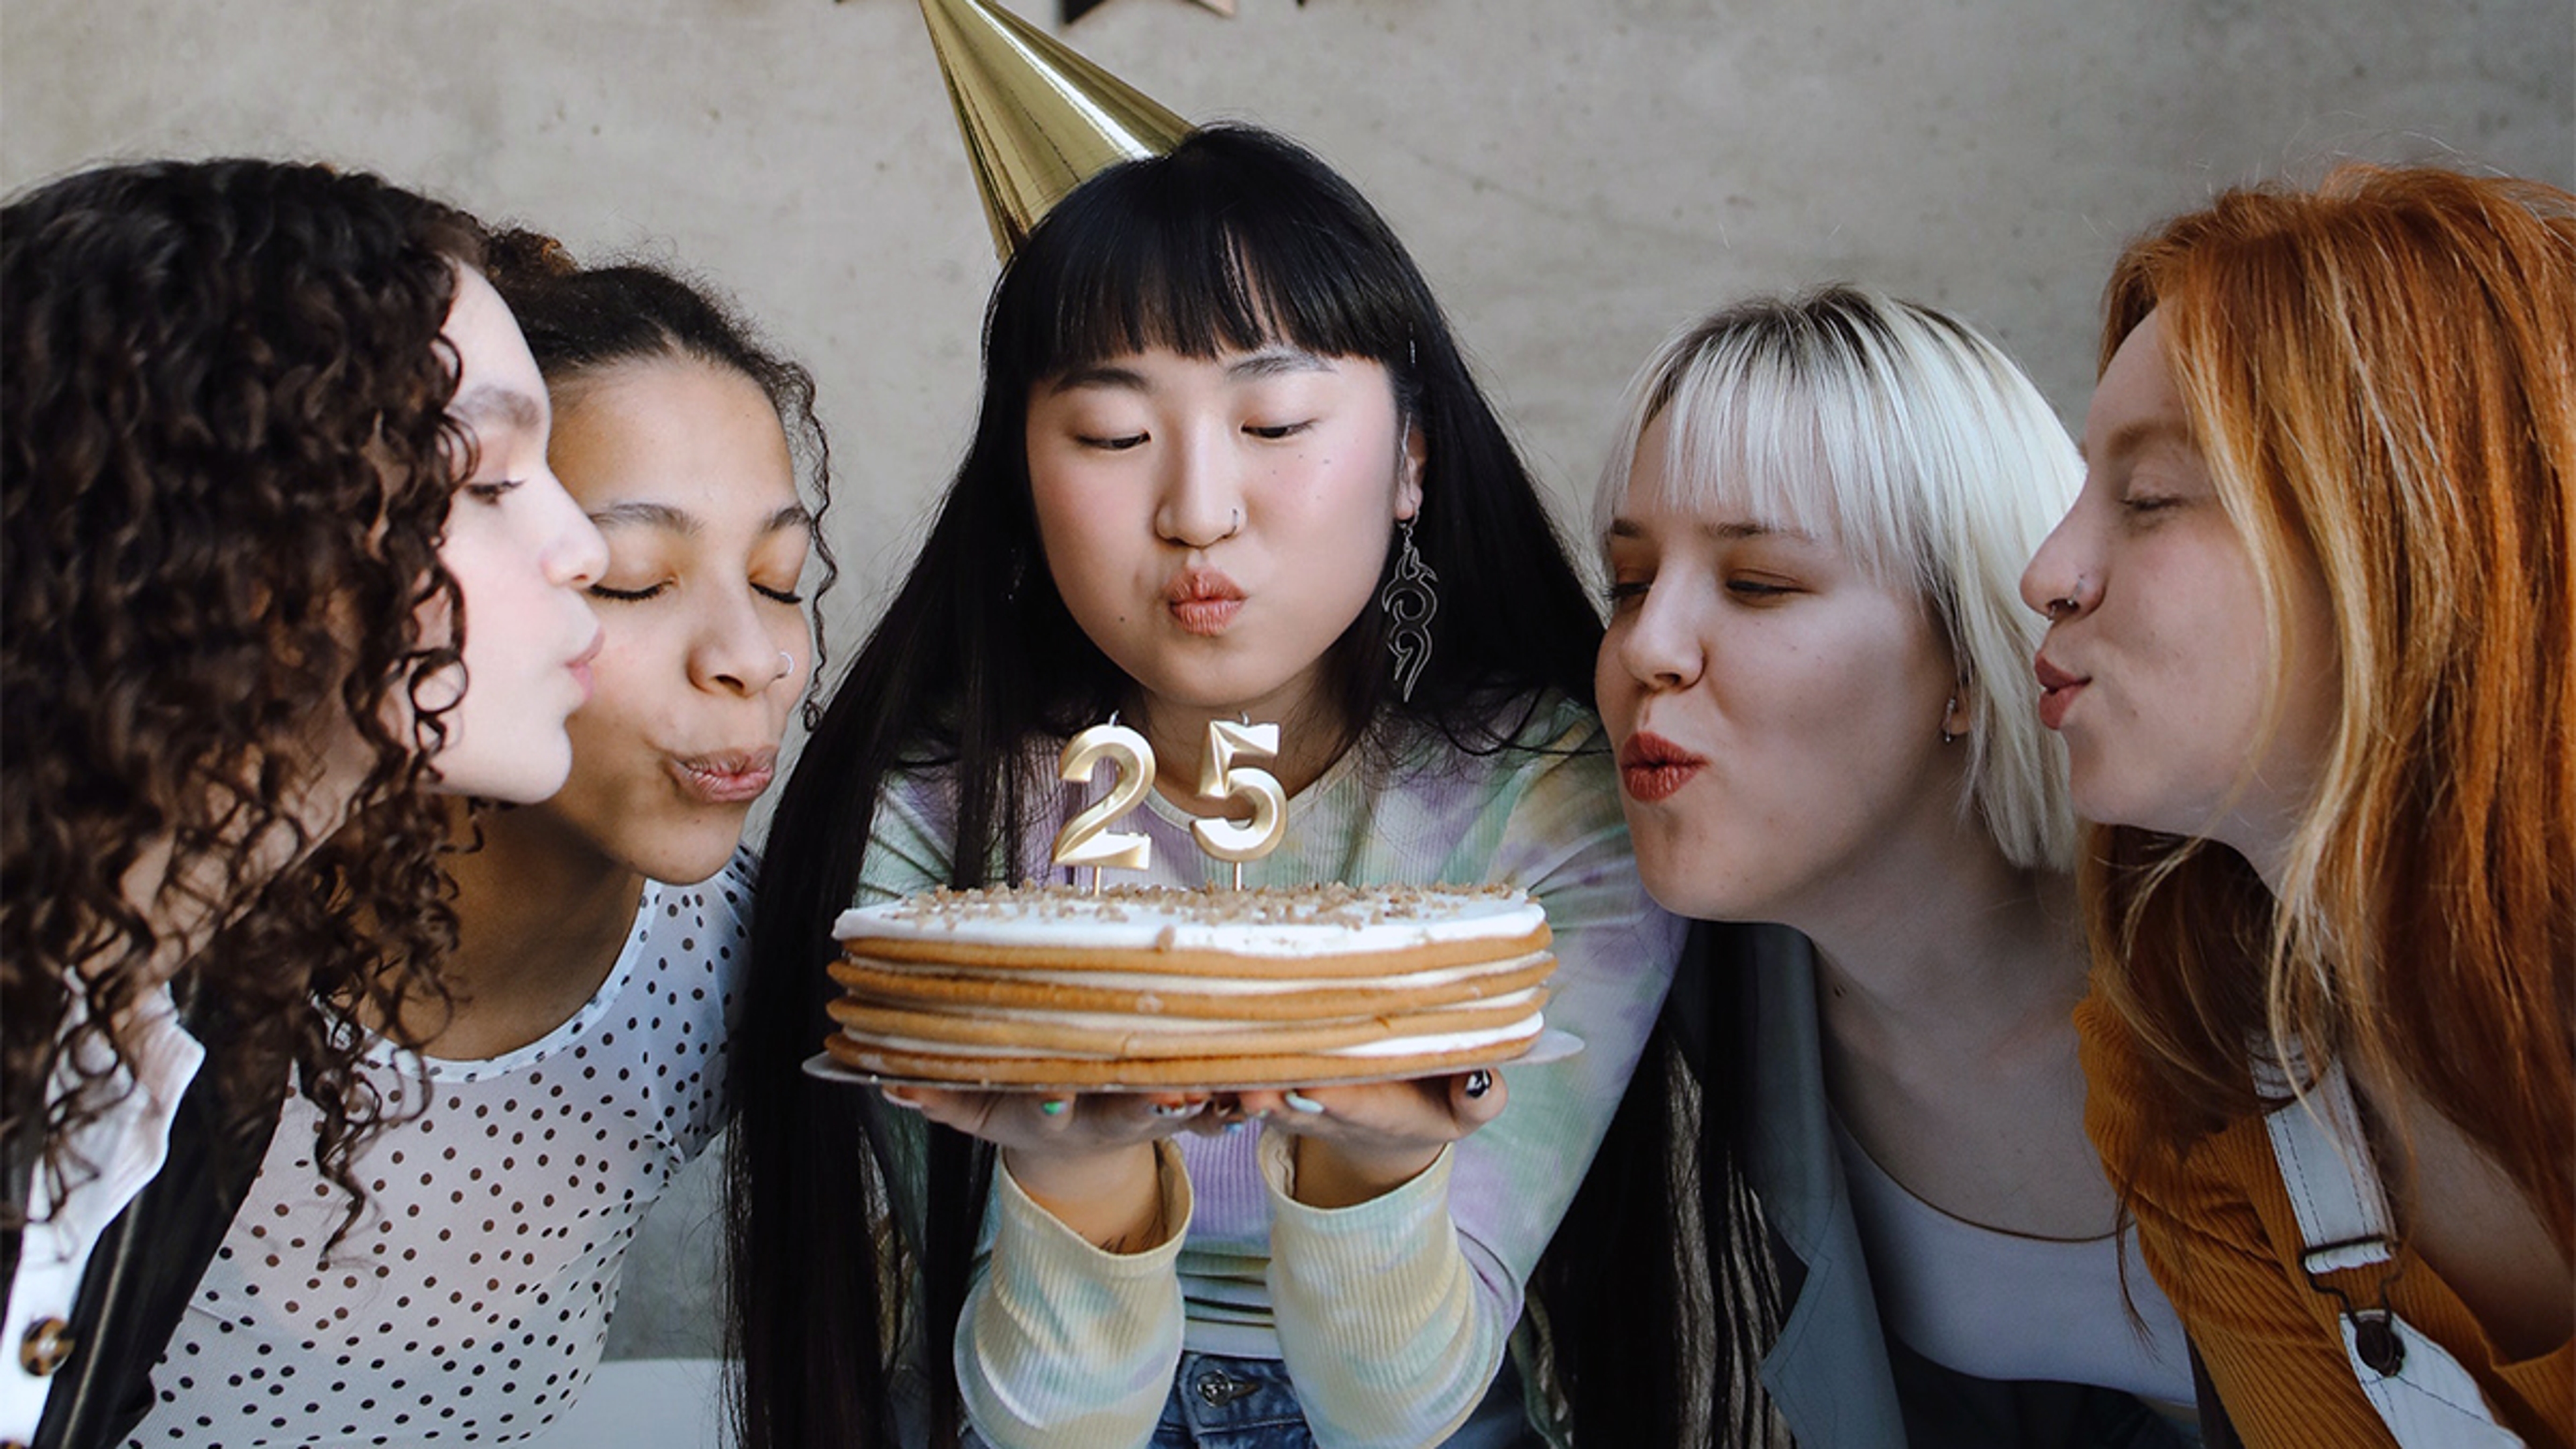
[1835, 1375]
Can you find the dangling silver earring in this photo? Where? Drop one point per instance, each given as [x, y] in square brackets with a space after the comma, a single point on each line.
[1409, 599]
[1948, 738]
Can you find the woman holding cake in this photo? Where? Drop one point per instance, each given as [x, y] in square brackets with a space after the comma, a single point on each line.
[2309, 634]
[580, 1061]
[1816, 673]
[1222, 414]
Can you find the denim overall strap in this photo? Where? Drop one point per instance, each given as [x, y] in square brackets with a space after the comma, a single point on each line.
[2421, 1392]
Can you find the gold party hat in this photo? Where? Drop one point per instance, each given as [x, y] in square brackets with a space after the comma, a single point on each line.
[1039, 119]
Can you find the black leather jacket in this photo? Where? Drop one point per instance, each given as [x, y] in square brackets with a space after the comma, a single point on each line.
[146, 1264]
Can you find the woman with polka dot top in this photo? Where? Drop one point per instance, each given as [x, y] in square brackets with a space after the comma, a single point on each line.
[582, 1063]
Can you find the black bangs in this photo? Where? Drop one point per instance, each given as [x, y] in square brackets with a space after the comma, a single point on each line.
[1235, 240]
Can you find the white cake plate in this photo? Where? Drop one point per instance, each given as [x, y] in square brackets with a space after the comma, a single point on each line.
[1550, 1045]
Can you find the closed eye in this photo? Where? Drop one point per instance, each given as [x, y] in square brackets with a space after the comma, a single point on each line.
[629, 596]
[491, 492]
[1118, 444]
[784, 596]
[1275, 431]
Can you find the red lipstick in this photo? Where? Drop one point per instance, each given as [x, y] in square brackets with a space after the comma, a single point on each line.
[2057, 690]
[1203, 601]
[1651, 767]
[727, 777]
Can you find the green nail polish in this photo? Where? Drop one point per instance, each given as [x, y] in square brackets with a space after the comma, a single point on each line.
[1054, 1106]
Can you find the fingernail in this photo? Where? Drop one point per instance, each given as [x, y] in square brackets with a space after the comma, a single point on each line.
[1479, 1082]
[1175, 1109]
[1300, 1102]
[1235, 1126]
[906, 1103]
[1054, 1106]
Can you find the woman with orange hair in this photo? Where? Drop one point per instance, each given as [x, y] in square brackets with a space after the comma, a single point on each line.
[2312, 646]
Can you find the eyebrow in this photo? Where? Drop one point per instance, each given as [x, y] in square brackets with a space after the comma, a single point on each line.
[1272, 361]
[2130, 437]
[1268, 362]
[686, 524]
[507, 404]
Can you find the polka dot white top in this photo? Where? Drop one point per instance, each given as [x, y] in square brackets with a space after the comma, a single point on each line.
[470, 1301]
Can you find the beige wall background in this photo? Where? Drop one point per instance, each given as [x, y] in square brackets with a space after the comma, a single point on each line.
[1577, 177]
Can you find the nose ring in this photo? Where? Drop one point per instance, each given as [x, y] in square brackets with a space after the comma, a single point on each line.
[1234, 523]
[786, 665]
[2060, 608]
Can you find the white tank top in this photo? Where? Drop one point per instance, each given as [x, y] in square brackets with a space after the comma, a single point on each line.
[1998, 1305]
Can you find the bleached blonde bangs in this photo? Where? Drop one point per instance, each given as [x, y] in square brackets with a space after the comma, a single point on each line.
[1905, 438]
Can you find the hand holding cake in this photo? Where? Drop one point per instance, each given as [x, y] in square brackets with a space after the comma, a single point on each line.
[1357, 1142]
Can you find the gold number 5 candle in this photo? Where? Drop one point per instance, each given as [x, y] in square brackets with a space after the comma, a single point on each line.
[1220, 778]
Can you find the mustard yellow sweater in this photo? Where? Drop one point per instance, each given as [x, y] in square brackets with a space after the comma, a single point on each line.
[2222, 1239]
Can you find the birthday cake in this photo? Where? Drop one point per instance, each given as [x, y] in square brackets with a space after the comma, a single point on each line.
[1150, 986]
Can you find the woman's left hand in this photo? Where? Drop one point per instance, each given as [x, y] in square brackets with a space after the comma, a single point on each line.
[1366, 1139]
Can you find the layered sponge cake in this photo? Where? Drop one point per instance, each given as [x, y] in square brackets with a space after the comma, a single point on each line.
[1149, 986]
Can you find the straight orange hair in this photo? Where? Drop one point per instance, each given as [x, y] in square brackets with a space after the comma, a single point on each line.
[2381, 374]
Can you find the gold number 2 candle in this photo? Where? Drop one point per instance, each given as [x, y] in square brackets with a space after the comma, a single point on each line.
[1086, 839]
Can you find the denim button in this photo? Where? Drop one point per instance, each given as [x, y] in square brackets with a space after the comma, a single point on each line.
[1217, 1388]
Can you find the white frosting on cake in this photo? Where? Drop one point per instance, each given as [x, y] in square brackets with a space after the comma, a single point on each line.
[1146, 1024]
[1201, 984]
[1329, 920]
[1400, 1046]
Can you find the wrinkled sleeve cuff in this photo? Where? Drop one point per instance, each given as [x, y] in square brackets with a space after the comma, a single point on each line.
[1376, 1308]
[1064, 1343]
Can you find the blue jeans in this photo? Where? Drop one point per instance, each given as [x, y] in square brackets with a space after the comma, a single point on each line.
[1248, 1403]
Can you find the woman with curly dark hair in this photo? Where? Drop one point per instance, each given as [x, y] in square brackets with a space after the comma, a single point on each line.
[599, 936]
[272, 444]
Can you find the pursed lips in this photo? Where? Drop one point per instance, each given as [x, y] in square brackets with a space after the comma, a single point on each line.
[579, 664]
[726, 777]
[2057, 691]
[1651, 767]
[1203, 601]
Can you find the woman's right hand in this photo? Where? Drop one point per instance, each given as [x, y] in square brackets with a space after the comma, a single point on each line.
[1087, 1159]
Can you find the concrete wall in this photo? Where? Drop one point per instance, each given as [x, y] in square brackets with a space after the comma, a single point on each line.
[1576, 176]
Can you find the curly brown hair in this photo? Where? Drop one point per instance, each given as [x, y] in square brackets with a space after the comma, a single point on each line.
[225, 470]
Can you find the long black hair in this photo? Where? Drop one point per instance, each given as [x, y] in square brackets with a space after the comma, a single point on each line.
[1673, 1359]
[1236, 239]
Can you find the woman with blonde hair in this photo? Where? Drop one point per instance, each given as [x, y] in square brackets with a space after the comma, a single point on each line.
[2311, 628]
[1867, 1131]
